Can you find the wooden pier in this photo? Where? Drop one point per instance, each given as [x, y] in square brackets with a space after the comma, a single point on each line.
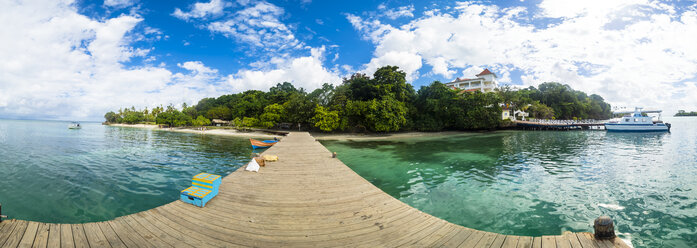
[306, 199]
[559, 125]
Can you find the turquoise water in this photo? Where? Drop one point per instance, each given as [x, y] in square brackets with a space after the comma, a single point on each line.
[544, 183]
[52, 174]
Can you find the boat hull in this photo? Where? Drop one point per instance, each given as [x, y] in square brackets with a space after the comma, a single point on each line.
[262, 144]
[610, 127]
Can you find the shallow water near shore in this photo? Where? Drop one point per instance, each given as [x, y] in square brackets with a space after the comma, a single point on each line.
[544, 182]
[49, 173]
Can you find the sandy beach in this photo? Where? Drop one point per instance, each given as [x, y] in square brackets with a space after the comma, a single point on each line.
[222, 132]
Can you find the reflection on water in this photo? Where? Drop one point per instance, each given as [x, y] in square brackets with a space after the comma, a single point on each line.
[53, 174]
[544, 183]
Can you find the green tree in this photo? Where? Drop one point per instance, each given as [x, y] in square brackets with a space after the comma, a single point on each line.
[190, 111]
[390, 81]
[326, 120]
[173, 118]
[281, 92]
[298, 109]
[540, 111]
[219, 112]
[201, 121]
[386, 115]
[271, 116]
[249, 122]
[112, 117]
[322, 96]
[133, 117]
[435, 107]
[478, 111]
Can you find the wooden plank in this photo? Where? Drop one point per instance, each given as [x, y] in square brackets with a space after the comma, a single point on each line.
[67, 236]
[127, 235]
[165, 226]
[155, 236]
[618, 242]
[42, 233]
[6, 230]
[460, 237]
[79, 236]
[29, 235]
[429, 240]
[445, 238]
[525, 242]
[95, 237]
[54, 235]
[511, 241]
[536, 242]
[472, 239]
[606, 243]
[165, 233]
[17, 234]
[498, 242]
[573, 240]
[587, 240]
[486, 240]
[562, 241]
[548, 242]
[110, 235]
[176, 224]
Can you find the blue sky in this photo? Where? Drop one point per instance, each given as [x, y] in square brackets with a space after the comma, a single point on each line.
[313, 23]
[78, 59]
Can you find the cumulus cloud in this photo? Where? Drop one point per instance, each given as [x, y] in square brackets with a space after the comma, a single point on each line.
[63, 65]
[634, 53]
[67, 66]
[118, 3]
[391, 13]
[200, 10]
[306, 72]
[258, 24]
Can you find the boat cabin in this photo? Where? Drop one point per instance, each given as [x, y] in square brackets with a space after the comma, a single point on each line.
[639, 116]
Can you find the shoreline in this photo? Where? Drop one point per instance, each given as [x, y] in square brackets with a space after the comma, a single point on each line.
[405, 135]
[317, 135]
[220, 132]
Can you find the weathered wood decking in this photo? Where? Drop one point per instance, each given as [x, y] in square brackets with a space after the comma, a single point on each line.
[306, 199]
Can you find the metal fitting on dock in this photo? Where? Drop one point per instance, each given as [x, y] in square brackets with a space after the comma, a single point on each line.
[334, 155]
[604, 228]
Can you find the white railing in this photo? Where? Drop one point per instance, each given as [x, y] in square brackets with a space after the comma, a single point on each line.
[565, 122]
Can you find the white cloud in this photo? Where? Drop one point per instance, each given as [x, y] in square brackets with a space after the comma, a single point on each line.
[259, 25]
[68, 66]
[306, 72]
[118, 3]
[201, 10]
[391, 13]
[634, 53]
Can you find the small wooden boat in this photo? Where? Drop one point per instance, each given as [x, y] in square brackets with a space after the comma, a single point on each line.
[262, 144]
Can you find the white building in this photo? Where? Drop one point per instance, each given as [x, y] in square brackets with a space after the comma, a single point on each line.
[485, 82]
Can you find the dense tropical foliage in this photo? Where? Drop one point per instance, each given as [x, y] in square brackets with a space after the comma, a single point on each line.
[384, 102]
[684, 113]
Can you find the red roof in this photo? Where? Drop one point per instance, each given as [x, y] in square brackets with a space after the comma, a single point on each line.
[485, 72]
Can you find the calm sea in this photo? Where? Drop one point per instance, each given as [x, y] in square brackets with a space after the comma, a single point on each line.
[52, 174]
[544, 183]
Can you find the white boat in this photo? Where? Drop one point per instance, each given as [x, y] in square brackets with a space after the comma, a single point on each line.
[638, 121]
[74, 125]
